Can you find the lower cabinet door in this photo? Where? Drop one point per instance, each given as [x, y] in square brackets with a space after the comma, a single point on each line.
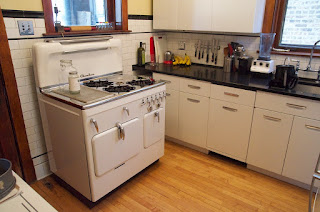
[193, 119]
[269, 140]
[172, 113]
[153, 127]
[114, 147]
[303, 150]
[229, 129]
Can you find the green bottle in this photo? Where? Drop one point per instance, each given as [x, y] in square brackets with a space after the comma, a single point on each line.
[141, 55]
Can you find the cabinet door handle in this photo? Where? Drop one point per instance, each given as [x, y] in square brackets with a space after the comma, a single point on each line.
[300, 107]
[231, 94]
[95, 123]
[193, 100]
[167, 94]
[127, 110]
[194, 87]
[157, 114]
[312, 127]
[230, 109]
[271, 118]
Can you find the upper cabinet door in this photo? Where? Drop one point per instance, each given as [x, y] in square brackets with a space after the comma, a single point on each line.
[195, 15]
[165, 14]
[245, 16]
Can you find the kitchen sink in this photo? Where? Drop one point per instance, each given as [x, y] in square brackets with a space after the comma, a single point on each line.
[308, 88]
[309, 82]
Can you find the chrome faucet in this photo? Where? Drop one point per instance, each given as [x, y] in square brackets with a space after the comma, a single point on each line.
[311, 55]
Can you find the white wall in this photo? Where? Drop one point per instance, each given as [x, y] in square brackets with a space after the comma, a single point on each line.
[21, 52]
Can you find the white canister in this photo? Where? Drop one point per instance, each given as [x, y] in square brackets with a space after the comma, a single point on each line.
[74, 84]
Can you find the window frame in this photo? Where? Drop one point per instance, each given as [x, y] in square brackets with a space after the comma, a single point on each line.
[49, 20]
[273, 23]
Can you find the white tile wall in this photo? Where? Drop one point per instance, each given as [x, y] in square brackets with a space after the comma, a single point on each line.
[21, 52]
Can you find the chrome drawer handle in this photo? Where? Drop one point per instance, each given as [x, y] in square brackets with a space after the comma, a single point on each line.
[312, 127]
[121, 132]
[127, 110]
[167, 94]
[194, 87]
[95, 123]
[156, 114]
[300, 107]
[271, 118]
[229, 109]
[193, 100]
[231, 94]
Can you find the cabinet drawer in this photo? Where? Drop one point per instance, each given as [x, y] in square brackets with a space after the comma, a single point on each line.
[195, 87]
[172, 82]
[290, 105]
[269, 139]
[108, 119]
[229, 129]
[193, 119]
[234, 95]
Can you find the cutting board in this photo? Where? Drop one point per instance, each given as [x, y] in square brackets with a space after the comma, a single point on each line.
[160, 44]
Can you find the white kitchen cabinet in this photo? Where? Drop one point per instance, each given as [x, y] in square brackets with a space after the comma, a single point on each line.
[165, 14]
[303, 150]
[172, 113]
[244, 16]
[195, 15]
[269, 140]
[229, 129]
[193, 119]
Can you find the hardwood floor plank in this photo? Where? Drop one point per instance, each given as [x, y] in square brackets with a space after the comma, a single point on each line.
[187, 180]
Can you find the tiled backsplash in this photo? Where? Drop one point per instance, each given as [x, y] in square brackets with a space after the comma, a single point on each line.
[251, 45]
[21, 51]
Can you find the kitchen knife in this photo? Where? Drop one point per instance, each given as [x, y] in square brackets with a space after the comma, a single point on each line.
[208, 48]
[203, 50]
[216, 54]
[213, 49]
[200, 42]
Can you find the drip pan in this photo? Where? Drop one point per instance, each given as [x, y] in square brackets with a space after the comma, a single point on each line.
[7, 180]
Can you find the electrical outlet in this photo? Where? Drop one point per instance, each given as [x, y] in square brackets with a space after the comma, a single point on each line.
[182, 45]
[25, 27]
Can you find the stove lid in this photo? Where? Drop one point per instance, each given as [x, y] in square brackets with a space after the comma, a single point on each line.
[94, 58]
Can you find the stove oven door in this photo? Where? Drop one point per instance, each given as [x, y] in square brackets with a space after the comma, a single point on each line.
[153, 127]
[114, 147]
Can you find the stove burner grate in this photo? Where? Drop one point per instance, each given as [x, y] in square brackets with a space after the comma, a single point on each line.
[141, 82]
[119, 88]
[100, 83]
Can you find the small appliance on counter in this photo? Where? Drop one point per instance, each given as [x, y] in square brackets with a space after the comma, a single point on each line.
[285, 77]
[168, 58]
[264, 64]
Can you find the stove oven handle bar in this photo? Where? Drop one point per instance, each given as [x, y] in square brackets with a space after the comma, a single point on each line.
[84, 50]
[95, 123]
[121, 132]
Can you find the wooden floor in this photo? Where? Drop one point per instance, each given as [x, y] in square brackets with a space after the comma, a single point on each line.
[186, 180]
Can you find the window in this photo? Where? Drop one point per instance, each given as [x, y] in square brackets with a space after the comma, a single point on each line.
[296, 24]
[107, 15]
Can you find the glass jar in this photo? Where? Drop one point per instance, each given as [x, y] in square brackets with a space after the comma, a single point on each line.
[65, 68]
[74, 84]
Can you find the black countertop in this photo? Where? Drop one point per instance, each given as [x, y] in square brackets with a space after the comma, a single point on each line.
[216, 75]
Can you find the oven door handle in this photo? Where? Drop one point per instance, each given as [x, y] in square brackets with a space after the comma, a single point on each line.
[121, 132]
[95, 123]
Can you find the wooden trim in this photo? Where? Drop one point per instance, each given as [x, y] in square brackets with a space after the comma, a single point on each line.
[48, 16]
[15, 105]
[109, 32]
[269, 16]
[111, 11]
[124, 14]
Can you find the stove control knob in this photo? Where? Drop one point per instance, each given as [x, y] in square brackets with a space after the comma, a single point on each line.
[143, 102]
[158, 105]
[150, 108]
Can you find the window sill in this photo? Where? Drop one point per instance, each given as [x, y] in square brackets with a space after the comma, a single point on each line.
[301, 54]
[74, 33]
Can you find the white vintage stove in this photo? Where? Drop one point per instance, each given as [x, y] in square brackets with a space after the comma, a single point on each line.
[113, 129]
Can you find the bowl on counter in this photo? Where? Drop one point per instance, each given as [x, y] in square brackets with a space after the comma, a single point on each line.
[7, 180]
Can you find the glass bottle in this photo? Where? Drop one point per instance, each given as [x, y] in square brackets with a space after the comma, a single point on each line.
[65, 68]
[141, 55]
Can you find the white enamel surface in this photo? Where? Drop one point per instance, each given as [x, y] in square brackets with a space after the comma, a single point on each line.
[110, 151]
[153, 127]
[47, 58]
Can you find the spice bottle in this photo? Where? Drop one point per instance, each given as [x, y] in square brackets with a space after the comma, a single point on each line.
[74, 84]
